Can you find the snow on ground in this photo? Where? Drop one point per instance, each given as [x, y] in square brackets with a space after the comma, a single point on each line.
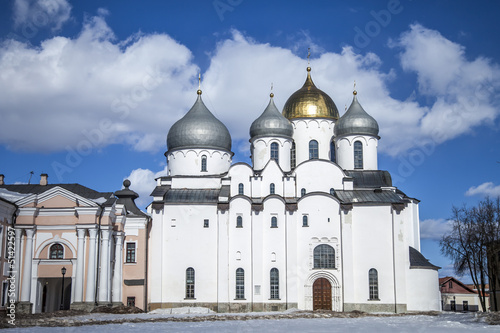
[449, 322]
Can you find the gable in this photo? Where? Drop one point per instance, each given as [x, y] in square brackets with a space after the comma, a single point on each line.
[56, 197]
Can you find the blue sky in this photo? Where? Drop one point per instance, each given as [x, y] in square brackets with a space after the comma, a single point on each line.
[89, 89]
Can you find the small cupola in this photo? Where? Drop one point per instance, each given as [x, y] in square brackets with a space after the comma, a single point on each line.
[356, 121]
[271, 123]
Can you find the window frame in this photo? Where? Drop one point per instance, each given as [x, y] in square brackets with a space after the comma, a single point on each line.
[272, 188]
[59, 254]
[131, 300]
[293, 156]
[313, 150]
[190, 283]
[239, 221]
[134, 253]
[333, 155]
[324, 257]
[240, 284]
[275, 152]
[373, 292]
[303, 192]
[241, 188]
[206, 223]
[358, 154]
[305, 221]
[204, 163]
[274, 283]
[274, 222]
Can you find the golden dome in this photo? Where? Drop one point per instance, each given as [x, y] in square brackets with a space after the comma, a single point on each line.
[310, 102]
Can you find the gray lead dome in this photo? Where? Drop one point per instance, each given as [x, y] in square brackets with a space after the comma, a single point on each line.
[356, 121]
[199, 129]
[271, 123]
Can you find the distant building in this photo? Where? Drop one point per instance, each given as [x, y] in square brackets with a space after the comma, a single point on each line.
[457, 296]
[97, 239]
[311, 224]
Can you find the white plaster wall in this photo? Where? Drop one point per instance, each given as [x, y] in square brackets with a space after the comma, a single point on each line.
[240, 173]
[272, 175]
[318, 175]
[187, 162]
[196, 182]
[261, 153]
[345, 151]
[423, 290]
[305, 130]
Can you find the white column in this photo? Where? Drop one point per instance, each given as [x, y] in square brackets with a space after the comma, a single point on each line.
[28, 259]
[80, 261]
[117, 275]
[91, 282]
[103, 273]
[17, 258]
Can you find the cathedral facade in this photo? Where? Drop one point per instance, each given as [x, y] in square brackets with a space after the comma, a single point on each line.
[311, 224]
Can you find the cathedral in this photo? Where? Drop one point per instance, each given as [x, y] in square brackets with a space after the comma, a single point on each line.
[310, 224]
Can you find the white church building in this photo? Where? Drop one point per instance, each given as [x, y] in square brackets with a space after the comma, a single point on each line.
[311, 224]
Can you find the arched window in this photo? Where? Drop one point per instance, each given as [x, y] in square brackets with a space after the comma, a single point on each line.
[275, 152]
[332, 152]
[332, 191]
[190, 282]
[56, 251]
[275, 283]
[203, 163]
[305, 222]
[302, 192]
[292, 156]
[373, 277]
[272, 188]
[240, 283]
[241, 188]
[358, 155]
[239, 222]
[324, 256]
[274, 222]
[313, 149]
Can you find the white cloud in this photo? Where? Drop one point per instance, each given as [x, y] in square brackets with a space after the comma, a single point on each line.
[93, 90]
[485, 189]
[434, 228]
[35, 14]
[143, 182]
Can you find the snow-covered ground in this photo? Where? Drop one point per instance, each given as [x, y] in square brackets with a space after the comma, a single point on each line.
[450, 322]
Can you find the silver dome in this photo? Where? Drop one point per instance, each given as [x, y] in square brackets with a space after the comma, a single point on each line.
[356, 121]
[199, 129]
[271, 123]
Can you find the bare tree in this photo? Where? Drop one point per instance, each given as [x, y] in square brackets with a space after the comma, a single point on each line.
[473, 244]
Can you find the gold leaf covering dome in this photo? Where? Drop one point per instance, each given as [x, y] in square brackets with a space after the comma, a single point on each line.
[310, 102]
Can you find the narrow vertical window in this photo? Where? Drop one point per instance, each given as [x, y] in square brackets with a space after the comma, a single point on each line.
[302, 192]
[373, 277]
[56, 252]
[292, 156]
[274, 222]
[305, 222]
[239, 222]
[313, 149]
[240, 283]
[130, 255]
[358, 155]
[275, 152]
[190, 282]
[241, 188]
[205, 223]
[275, 283]
[332, 191]
[272, 188]
[332, 152]
[203, 163]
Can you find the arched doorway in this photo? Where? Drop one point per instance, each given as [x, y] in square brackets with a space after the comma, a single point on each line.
[322, 294]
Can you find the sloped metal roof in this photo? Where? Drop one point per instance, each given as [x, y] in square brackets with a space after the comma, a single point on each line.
[368, 196]
[370, 178]
[192, 196]
[417, 260]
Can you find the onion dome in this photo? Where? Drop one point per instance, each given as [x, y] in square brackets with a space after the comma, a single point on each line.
[310, 102]
[271, 123]
[356, 121]
[199, 129]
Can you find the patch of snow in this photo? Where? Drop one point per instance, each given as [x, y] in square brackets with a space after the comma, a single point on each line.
[183, 310]
[11, 196]
[100, 200]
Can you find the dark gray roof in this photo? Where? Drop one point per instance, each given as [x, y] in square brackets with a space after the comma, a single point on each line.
[271, 123]
[199, 129]
[160, 191]
[417, 260]
[370, 178]
[356, 121]
[75, 188]
[127, 198]
[368, 196]
[192, 196]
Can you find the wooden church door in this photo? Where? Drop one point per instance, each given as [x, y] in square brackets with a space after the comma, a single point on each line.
[322, 294]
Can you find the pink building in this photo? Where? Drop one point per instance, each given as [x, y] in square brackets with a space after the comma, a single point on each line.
[75, 247]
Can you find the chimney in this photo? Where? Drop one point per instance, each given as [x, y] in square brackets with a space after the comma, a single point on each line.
[1, 179]
[43, 179]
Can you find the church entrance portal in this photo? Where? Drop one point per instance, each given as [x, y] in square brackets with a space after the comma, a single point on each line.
[322, 294]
